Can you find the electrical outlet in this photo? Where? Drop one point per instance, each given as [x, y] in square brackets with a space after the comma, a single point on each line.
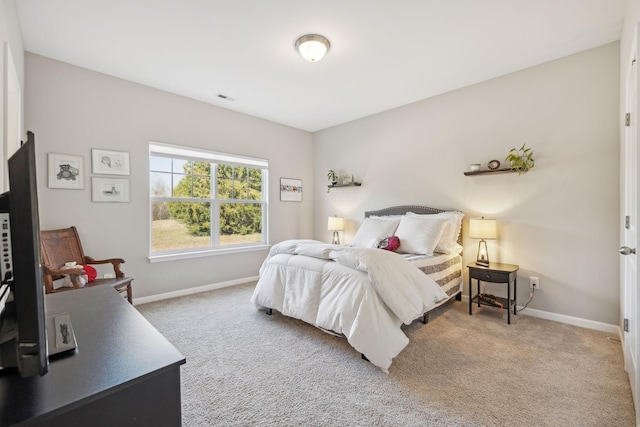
[108, 275]
[534, 282]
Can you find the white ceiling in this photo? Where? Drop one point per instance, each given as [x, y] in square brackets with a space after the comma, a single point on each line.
[384, 53]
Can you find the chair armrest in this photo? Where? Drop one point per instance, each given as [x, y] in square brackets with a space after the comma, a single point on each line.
[113, 261]
[67, 271]
[62, 272]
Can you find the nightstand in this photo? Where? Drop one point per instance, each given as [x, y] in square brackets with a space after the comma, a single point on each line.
[495, 273]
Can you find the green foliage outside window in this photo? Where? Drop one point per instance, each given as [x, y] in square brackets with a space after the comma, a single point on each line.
[234, 183]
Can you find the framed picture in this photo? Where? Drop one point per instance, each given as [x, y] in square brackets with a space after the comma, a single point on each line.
[65, 171]
[290, 190]
[107, 162]
[109, 189]
[347, 179]
[65, 338]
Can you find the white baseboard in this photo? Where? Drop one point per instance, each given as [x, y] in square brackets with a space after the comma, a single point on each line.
[562, 318]
[569, 320]
[190, 291]
[576, 321]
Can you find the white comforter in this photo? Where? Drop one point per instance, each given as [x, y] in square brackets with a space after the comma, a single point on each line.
[364, 294]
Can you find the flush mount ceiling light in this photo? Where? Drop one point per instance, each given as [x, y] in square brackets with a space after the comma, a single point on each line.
[312, 47]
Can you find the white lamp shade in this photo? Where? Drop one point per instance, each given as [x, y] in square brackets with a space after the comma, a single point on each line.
[480, 228]
[335, 223]
[312, 47]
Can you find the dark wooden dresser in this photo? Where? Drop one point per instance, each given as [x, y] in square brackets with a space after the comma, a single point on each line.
[123, 373]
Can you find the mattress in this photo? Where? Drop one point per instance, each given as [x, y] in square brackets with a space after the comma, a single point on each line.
[446, 270]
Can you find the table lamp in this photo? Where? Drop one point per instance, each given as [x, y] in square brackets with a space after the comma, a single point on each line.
[481, 228]
[335, 224]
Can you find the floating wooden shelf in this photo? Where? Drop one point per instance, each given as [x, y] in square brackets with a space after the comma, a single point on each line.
[353, 184]
[488, 172]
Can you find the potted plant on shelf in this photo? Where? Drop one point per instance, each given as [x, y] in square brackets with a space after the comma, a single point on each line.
[332, 177]
[521, 159]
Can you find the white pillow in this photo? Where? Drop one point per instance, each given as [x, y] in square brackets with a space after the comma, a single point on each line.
[419, 234]
[448, 243]
[373, 230]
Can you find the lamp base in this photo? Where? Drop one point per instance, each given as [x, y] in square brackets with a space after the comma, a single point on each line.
[336, 238]
[483, 255]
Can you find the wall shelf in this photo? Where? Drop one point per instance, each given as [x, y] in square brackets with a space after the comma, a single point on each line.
[489, 172]
[353, 184]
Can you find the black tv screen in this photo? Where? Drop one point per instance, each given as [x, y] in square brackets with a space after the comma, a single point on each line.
[23, 333]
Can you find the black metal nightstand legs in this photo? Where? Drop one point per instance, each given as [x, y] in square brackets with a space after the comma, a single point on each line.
[495, 273]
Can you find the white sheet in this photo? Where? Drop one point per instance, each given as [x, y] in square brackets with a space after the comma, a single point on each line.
[364, 294]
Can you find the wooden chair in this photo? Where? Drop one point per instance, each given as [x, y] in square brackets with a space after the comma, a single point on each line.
[63, 246]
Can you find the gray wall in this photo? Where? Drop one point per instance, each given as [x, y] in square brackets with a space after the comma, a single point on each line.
[72, 110]
[558, 222]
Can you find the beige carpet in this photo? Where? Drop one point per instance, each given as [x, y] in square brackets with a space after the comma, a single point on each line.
[245, 368]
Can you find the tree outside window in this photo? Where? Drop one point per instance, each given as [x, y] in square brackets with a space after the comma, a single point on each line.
[197, 204]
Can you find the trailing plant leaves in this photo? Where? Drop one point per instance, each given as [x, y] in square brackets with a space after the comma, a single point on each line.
[521, 159]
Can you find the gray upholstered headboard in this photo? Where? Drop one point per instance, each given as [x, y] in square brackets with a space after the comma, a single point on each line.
[401, 210]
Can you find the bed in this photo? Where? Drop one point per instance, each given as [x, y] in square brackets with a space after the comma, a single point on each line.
[361, 291]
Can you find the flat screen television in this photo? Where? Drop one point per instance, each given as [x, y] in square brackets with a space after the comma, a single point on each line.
[23, 336]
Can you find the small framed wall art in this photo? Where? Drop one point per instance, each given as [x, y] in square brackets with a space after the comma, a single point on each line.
[109, 189]
[65, 171]
[290, 190]
[106, 162]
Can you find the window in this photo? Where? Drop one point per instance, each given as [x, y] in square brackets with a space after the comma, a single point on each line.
[203, 200]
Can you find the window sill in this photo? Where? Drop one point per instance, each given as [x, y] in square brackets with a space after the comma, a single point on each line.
[206, 253]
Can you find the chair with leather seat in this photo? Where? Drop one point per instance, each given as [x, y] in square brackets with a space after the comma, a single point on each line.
[63, 246]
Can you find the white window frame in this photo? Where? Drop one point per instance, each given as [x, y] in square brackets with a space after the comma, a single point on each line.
[215, 158]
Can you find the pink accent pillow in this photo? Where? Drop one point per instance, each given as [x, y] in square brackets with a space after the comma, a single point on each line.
[90, 272]
[390, 243]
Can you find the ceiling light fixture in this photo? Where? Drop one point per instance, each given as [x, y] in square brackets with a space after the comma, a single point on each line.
[312, 47]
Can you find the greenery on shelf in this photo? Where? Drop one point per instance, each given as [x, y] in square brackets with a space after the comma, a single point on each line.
[332, 176]
[521, 159]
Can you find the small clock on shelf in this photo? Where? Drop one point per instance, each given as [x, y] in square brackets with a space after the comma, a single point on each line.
[493, 165]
